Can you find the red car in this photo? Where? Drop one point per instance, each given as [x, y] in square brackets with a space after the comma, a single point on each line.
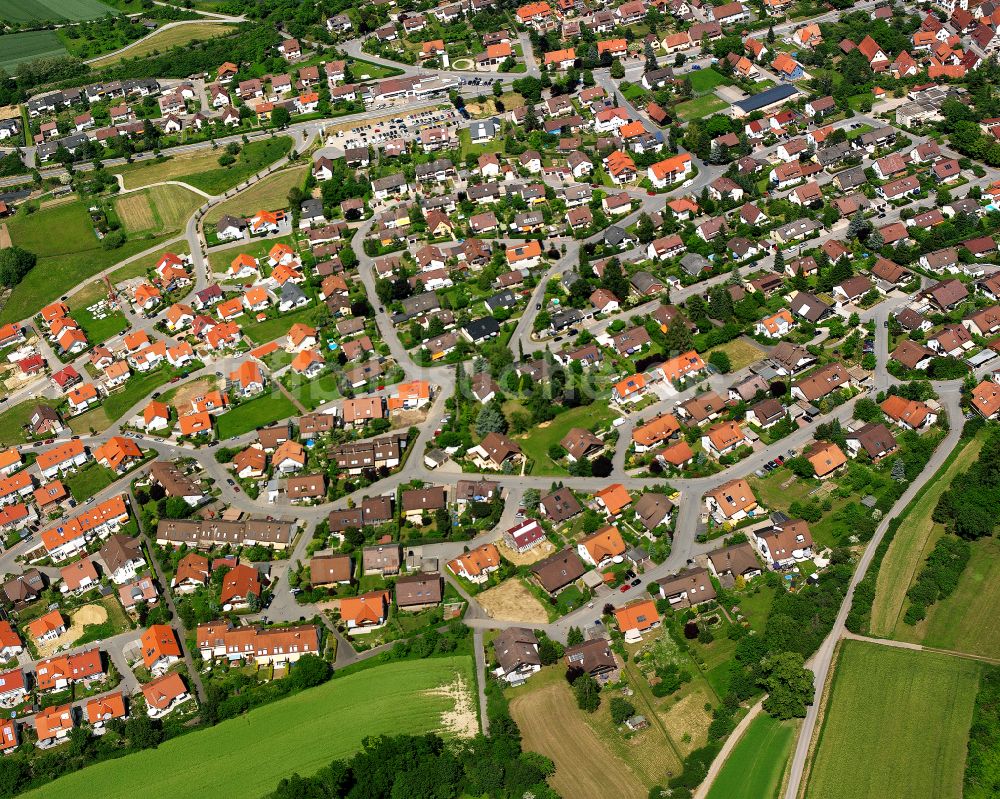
[624, 588]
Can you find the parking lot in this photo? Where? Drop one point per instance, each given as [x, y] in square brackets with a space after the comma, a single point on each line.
[388, 128]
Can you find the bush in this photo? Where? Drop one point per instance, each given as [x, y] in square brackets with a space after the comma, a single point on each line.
[621, 709]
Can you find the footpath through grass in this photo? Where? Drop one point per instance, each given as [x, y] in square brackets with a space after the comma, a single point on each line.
[200, 168]
[915, 537]
[248, 755]
[68, 251]
[755, 767]
[896, 724]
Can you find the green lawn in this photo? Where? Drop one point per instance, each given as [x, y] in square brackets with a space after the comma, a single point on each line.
[300, 734]
[88, 481]
[896, 724]
[100, 330]
[201, 169]
[13, 419]
[366, 70]
[117, 404]
[704, 81]
[755, 766]
[312, 393]
[701, 107]
[535, 444]
[253, 414]
[969, 619]
[914, 539]
[64, 260]
[275, 326]
[269, 193]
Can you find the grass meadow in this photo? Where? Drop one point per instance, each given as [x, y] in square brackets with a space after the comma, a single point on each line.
[65, 259]
[200, 168]
[914, 539]
[248, 755]
[896, 724]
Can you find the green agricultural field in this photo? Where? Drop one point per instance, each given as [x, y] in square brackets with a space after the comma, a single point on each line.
[268, 194]
[704, 81]
[755, 767]
[253, 414]
[968, 620]
[701, 107]
[914, 539]
[64, 260]
[300, 734]
[535, 444]
[29, 45]
[158, 209]
[52, 10]
[896, 724]
[200, 168]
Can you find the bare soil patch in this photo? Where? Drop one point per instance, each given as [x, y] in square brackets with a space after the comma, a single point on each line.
[88, 614]
[533, 555]
[512, 601]
[462, 720]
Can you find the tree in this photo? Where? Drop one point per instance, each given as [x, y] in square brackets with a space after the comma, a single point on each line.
[621, 710]
[789, 685]
[309, 671]
[574, 636]
[720, 360]
[678, 337]
[530, 499]
[280, 117]
[614, 280]
[779, 261]
[588, 693]
[644, 228]
[142, 732]
[617, 69]
[548, 652]
[491, 419]
[15, 263]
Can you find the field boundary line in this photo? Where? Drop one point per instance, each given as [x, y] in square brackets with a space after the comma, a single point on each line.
[893, 643]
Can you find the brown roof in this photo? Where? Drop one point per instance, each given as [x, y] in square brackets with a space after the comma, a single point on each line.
[326, 569]
[560, 505]
[651, 508]
[876, 439]
[174, 482]
[824, 381]
[310, 486]
[578, 442]
[515, 647]
[384, 557]
[419, 589]
[696, 582]
[739, 559]
[430, 498]
[593, 657]
[559, 570]
[120, 550]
